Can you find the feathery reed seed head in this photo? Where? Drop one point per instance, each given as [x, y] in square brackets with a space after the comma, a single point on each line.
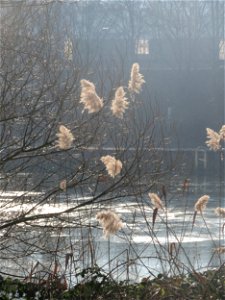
[113, 166]
[213, 139]
[156, 201]
[136, 79]
[92, 102]
[110, 222]
[65, 138]
[219, 250]
[119, 103]
[222, 132]
[63, 185]
[220, 211]
[201, 203]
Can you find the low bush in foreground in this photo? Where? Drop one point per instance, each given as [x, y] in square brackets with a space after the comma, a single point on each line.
[206, 285]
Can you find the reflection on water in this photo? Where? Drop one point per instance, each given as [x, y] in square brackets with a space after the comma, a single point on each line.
[174, 245]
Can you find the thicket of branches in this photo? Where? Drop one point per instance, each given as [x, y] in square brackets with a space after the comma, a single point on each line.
[52, 183]
[81, 139]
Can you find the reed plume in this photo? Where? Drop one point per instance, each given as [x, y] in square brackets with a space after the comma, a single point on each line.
[92, 102]
[63, 185]
[110, 222]
[213, 139]
[136, 79]
[220, 250]
[65, 138]
[222, 132]
[201, 203]
[113, 166]
[156, 201]
[119, 103]
[220, 211]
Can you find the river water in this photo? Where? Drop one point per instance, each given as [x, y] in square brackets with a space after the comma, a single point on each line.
[174, 245]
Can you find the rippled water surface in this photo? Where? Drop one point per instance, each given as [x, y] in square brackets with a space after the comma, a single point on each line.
[175, 244]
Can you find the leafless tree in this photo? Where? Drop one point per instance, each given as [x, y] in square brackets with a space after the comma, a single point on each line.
[49, 196]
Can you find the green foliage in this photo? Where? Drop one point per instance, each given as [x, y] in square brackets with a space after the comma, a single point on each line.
[95, 284]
